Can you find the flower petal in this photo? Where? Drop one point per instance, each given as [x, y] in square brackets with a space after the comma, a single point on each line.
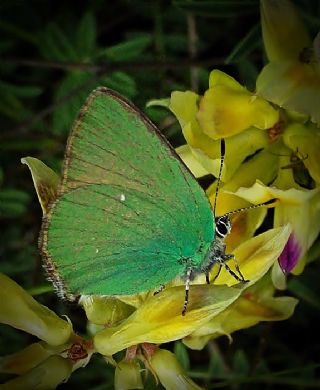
[46, 376]
[28, 358]
[305, 139]
[205, 149]
[128, 376]
[21, 311]
[170, 373]
[256, 256]
[282, 41]
[290, 255]
[298, 207]
[228, 108]
[44, 179]
[105, 311]
[293, 86]
[254, 305]
[186, 155]
[159, 318]
[184, 105]
[263, 166]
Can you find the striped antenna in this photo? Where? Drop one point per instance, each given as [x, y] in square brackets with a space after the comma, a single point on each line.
[222, 154]
[254, 206]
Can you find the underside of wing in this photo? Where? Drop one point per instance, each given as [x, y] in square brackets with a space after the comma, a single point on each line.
[129, 215]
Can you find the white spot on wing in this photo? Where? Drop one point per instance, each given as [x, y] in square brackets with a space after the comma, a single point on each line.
[122, 197]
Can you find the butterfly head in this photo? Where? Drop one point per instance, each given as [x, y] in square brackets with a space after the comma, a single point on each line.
[223, 226]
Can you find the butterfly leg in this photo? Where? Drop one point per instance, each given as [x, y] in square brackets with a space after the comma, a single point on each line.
[187, 287]
[218, 273]
[208, 275]
[238, 270]
[222, 261]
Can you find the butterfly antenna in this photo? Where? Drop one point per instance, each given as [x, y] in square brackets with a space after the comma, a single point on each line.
[222, 155]
[254, 206]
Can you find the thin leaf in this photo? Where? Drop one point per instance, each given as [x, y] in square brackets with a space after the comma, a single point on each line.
[246, 45]
[241, 365]
[26, 91]
[181, 353]
[73, 90]
[56, 45]
[122, 83]
[86, 35]
[301, 290]
[127, 50]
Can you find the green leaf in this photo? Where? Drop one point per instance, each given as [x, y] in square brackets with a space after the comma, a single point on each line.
[241, 365]
[17, 32]
[314, 252]
[13, 108]
[157, 114]
[177, 43]
[72, 92]
[86, 35]
[248, 73]
[246, 45]
[30, 144]
[13, 202]
[128, 50]
[26, 91]
[181, 353]
[56, 45]
[217, 366]
[222, 8]
[122, 83]
[301, 290]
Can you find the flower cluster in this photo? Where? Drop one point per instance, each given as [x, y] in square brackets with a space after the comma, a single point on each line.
[272, 138]
[272, 143]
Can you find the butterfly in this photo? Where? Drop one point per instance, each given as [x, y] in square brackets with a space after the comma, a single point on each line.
[129, 215]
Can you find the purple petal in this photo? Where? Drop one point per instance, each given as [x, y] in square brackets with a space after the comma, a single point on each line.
[290, 255]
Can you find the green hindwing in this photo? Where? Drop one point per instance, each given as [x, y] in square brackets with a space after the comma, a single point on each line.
[129, 215]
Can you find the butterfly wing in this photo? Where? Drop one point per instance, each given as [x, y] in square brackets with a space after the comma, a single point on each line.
[129, 215]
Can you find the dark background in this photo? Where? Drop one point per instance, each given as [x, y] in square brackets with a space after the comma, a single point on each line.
[53, 54]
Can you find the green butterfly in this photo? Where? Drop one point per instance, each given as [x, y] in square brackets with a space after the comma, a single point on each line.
[129, 216]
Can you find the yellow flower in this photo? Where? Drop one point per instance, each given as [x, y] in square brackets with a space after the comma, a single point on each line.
[20, 310]
[158, 319]
[282, 41]
[226, 110]
[119, 323]
[46, 376]
[169, 372]
[128, 375]
[292, 77]
[45, 364]
[297, 206]
[256, 304]
[122, 322]
[305, 138]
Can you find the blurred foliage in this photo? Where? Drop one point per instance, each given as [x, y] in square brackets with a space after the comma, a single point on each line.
[53, 54]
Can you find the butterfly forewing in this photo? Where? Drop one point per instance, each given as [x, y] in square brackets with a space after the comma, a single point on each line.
[129, 215]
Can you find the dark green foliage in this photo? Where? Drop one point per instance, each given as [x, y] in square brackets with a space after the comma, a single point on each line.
[52, 55]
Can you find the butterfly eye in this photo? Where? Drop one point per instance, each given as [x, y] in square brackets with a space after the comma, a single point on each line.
[223, 226]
